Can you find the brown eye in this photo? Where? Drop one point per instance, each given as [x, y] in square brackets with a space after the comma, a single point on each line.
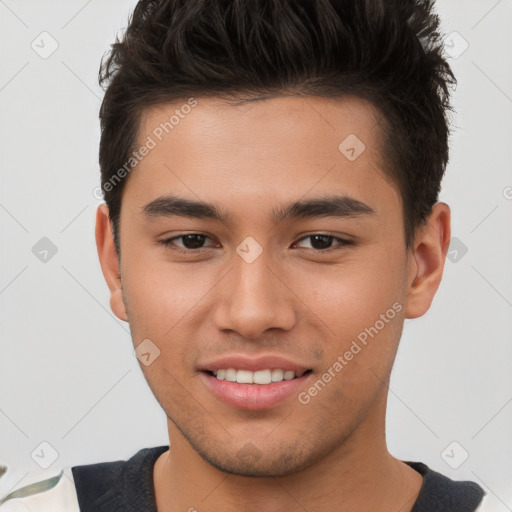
[319, 242]
[193, 241]
[187, 242]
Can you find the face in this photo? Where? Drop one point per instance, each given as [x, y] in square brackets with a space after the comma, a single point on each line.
[263, 242]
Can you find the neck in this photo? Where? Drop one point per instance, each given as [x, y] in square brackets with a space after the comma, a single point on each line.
[359, 475]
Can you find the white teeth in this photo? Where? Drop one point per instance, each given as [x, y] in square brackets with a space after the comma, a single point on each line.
[277, 375]
[262, 377]
[259, 377]
[231, 374]
[244, 377]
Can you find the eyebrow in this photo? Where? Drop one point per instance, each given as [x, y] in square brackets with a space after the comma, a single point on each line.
[341, 206]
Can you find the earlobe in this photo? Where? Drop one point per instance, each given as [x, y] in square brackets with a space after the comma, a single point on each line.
[109, 261]
[426, 261]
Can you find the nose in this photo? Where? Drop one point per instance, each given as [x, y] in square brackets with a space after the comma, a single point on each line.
[253, 299]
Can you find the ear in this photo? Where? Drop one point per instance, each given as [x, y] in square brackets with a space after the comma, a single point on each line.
[426, 261]
[109, 261]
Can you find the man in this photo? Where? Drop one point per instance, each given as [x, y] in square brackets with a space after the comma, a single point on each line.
[271, 172]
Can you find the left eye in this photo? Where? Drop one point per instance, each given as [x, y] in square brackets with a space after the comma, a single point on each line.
[323, 242]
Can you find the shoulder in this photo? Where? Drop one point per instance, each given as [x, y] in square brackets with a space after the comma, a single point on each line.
[441, 493]
[55, 494]
[103, 486]
[113, 485]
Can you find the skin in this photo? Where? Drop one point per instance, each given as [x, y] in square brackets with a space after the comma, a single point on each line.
[307, 306]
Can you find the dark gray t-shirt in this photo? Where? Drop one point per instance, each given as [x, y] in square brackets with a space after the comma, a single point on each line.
[127, 486]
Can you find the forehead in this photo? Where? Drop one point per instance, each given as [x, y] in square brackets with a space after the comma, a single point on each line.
[269, 122]
[267, 149]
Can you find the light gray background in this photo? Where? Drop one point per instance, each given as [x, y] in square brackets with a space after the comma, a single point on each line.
[68, 376]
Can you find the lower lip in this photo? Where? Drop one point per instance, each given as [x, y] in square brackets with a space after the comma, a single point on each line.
[253, 397]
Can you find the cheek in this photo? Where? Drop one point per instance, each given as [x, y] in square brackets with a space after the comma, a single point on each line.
[167, 304]
[160, 295]
[351, 296]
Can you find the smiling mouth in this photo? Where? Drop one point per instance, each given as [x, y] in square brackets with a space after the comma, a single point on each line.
[260, 377]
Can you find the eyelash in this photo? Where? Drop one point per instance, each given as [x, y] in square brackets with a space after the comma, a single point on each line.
[169, 243]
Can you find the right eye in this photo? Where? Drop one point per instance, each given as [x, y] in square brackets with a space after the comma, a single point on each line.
[190, 242]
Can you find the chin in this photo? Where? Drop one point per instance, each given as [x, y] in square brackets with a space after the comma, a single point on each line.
[246, 459]
[266, 466]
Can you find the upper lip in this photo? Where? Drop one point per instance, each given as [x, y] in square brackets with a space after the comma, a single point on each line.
[253, 364]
